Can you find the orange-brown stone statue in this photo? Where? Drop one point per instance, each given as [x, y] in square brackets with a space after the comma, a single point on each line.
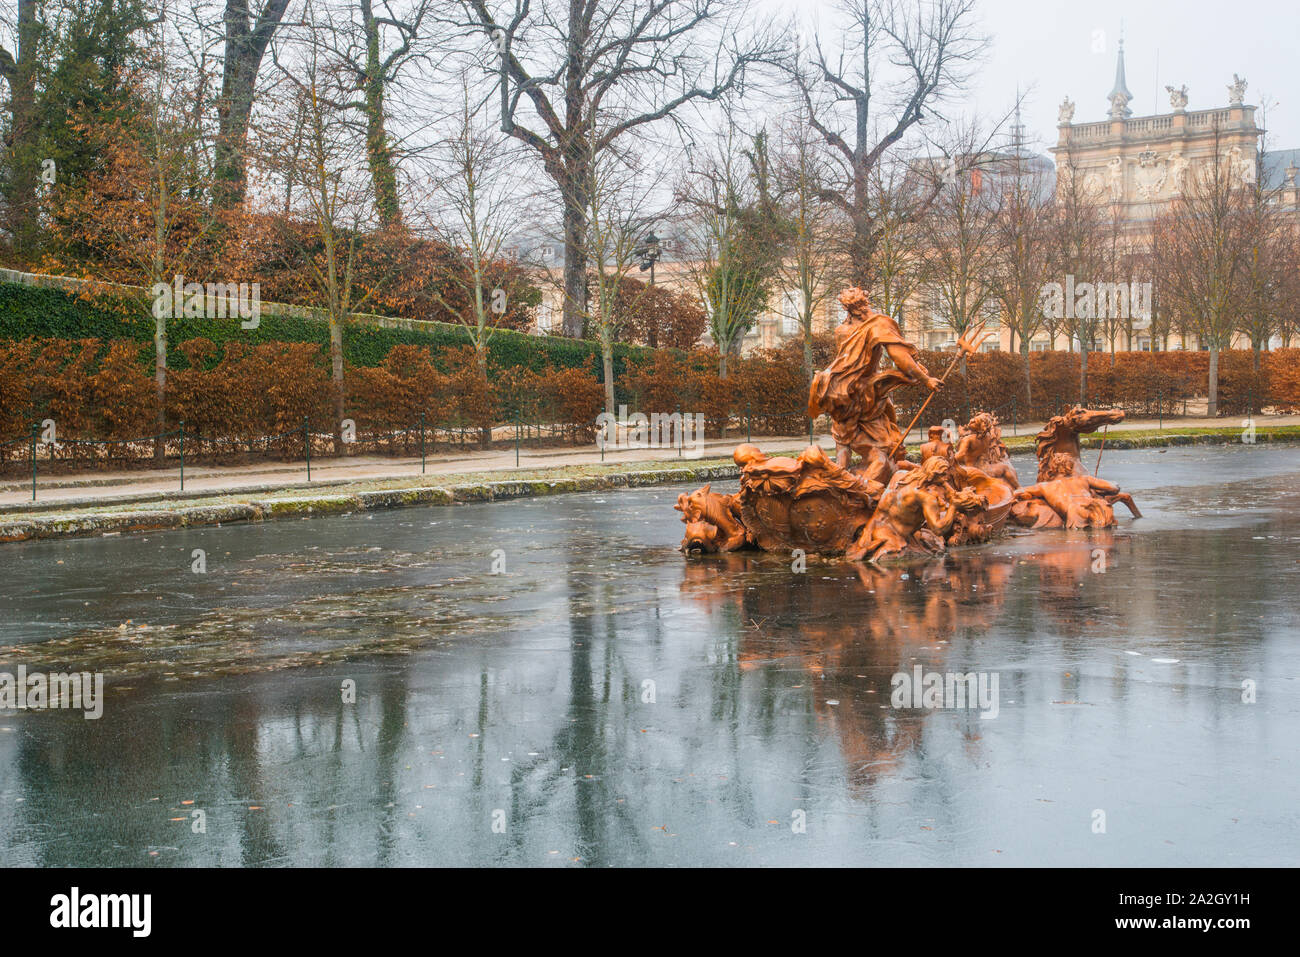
[854, 391]
[980, 446]
[917, 513]
[809, 503]
[1067, 499]
[1061, 434]
[712, 521]
[937, 444]
[884, 505]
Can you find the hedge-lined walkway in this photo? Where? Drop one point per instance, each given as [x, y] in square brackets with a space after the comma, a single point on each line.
[119, 488]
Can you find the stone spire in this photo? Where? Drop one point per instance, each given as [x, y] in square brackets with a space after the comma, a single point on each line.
[1018, 128]
[1120, 97]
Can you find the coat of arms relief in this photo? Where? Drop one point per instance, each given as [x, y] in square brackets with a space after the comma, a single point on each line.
[1150, 176]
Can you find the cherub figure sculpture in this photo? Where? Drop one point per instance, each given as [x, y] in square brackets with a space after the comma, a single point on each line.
[980, 446]
[937, 444]
[916, 513]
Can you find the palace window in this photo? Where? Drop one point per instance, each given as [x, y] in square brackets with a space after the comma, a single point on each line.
[545, 317]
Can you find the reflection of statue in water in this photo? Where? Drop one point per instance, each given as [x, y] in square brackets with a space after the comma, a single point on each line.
[850, 631]
[854, 391]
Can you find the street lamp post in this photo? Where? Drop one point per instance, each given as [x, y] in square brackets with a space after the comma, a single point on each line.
[648, 252]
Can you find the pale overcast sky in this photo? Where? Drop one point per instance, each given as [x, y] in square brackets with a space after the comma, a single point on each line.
[1057, 47]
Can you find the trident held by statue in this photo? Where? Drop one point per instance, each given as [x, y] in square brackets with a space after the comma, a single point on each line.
[968, 344]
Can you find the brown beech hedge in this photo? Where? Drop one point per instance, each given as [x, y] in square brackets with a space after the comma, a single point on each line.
[232, 395]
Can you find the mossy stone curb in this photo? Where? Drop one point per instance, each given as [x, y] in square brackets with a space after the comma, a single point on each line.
[179, 515]
[309, 506]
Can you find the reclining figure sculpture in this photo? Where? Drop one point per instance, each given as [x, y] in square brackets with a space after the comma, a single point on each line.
[885, 505]
[1066, 495]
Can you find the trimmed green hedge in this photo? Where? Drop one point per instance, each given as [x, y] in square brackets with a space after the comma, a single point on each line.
[42, 312]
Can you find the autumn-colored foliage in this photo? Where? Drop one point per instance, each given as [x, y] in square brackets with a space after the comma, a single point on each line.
[239, 399]
[657, 316]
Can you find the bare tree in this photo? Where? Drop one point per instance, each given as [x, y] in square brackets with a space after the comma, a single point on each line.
[335, 201]
[729, 229]
[1269, 265]
[1076, 256]
[1021, 264]
[1117, 258]
[897, 266]
[810, 266]
[374, 44]
[592, 73]
[1207, 236]
[619, 193]
[19, 67]
[474, 208]
[246, 43]
[894, 64]
[960, 247]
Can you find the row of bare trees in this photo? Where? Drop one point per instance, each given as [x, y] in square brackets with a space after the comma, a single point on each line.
[296, 142]
[412, 155]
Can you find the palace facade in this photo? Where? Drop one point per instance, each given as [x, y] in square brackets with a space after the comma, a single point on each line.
[1137, 165]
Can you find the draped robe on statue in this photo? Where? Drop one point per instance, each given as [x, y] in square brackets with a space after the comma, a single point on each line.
[854, 392]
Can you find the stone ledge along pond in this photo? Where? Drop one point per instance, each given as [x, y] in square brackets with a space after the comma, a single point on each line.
[601, 700]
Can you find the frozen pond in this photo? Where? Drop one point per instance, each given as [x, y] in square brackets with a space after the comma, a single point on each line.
[600, 700]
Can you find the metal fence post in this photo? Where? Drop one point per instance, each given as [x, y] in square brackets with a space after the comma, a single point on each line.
[182, 425]
[35, 431]
[306, 441]
[517, 424]
[421, 443]
[749, 425]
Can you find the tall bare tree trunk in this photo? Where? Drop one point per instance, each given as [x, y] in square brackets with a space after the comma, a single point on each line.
[1083, 373]
[1029, 381]
[336, 374]
[481, 358]
[1212, 408]
[379, 153]
[160, 386]
[575, 257]
[245, 46]
[19, 72]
